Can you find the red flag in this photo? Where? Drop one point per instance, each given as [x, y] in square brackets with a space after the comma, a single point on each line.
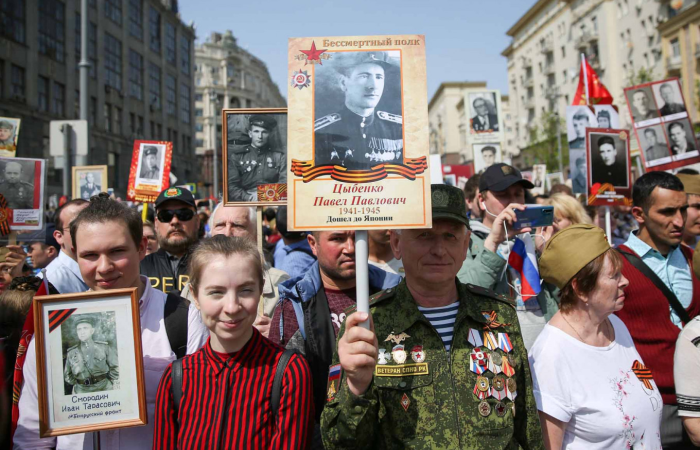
[27, 334]
[598, 93]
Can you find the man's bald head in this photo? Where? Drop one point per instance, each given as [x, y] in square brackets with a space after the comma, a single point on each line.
[13, 172]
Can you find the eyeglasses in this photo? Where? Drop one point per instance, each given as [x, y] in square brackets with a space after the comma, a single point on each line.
[183, 215]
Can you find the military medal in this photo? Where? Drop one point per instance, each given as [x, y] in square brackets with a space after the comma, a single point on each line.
[405, 402]
[507, 368]
[475, 338]
[511, 384]
[484, 408]
[490, 340]
[482, 387]
[399, 354]
[500, 409]
[512, 409]
[492, 366]
[477, 361]
[511, 393]
[384, 357]
[498, 383]
[504, 342]
[417, 354]
[396, 339]
[496, 358]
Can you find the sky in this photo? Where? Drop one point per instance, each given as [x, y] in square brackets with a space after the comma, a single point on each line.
[464, 38]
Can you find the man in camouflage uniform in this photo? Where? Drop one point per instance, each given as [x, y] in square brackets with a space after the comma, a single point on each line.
[19, 194]
[357, 136]
[91, 366]
[255, 164]
[443, 365]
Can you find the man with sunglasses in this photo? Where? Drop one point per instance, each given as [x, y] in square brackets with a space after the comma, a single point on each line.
[177, 229]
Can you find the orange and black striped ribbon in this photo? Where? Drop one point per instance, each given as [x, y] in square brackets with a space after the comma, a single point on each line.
[643, 373]
[5, 215]
[411, 167]
[491, 320]
[59, 316]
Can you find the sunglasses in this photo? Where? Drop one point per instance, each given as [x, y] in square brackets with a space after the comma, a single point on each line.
[183, 215]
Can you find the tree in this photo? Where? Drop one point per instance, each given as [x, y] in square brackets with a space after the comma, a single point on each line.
[542, 148]
[643, 75]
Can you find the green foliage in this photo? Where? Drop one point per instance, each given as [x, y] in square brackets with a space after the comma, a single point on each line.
[643, 75]
[542, 148]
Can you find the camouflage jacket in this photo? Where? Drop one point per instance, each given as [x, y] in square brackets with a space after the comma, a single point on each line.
[432, 400]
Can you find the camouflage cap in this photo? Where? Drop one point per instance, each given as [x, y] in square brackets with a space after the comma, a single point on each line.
[347, 60]
[6, 125]
[448, 203]
[691, 183]
[264, 121]
[586, 242]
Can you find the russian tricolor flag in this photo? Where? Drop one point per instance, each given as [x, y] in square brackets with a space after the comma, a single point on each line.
[523, 260]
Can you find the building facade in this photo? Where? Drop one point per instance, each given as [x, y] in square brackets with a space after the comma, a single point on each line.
[618, 38]
[141, 80]
[226, 76]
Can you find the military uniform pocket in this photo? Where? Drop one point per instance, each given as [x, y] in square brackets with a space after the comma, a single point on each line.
[407, 405]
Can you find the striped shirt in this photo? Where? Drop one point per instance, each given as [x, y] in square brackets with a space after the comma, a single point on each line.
[443, 320]
[226, 401]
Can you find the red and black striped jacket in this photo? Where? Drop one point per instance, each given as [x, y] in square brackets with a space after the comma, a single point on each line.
[226, 401]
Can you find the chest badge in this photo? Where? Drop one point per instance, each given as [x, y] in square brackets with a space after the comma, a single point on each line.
[417, 354]
[384, 357]
[399, 354]
[396, 339]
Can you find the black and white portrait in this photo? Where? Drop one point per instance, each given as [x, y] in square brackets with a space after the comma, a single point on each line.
[539, 178]
[578, 171]
[17, 185]
[652, 141]
[91, 358]
[256, 153]
[486, 155]
[151, 163]
[483, 112]
[358, 116]
[680, 136]
[578, 118]
[668, 97]
[609, 160]
[642, 104]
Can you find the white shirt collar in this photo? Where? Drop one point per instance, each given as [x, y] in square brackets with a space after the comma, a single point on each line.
[70, 263]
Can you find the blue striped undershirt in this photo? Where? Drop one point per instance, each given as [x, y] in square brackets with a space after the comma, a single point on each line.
[443, 320]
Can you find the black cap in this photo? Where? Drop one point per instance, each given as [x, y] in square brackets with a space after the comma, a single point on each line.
[176, 193]
[500, 177]
[262, 120]
[448, 203]
[150, 150]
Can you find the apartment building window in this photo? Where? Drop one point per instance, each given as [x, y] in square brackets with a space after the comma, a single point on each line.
[117, 120]
[564, 76]
[92, 45]
[135, 75]
[625, 7]
[107, 111]
[170, 50]
[198, 112]
[176, 147]
[675, 48]
[154, 29]
[198, 97]
[43, 94]
[159, 131]
[594, 23]
[199, 143]
[132, 123]
[199, 127]
[185, 110]
[52, 29]
[58, 95]
[136, 19]
[185, 55]
[170, 94]
[563, 51]
[17, 81]
[12, 18]
[154, 85]
[113, 11]
[139, 131]
[113, 62]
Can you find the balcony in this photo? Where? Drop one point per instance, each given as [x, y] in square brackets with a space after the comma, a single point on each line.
[529, 103]
[549, 68]
[528, 82]
[546, 47]
[594, 61]
[673, 64]
[586, 38]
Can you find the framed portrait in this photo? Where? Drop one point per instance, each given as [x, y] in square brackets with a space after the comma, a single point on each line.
[89, 362]
[150, 170]
[22, 183]
[669, 98]
[486, 155]
[539, 178]
[485, 121]
[9, 132]
[358, 133]
[89, 181]
[654, 145]
[608, 162]
[642, 104]
[578, 118]
[553, 179]
[255, 156]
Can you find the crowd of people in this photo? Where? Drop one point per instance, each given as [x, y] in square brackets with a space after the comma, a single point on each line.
[244, 348]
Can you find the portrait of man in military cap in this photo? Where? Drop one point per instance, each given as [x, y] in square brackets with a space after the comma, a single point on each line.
[9, 131]
[16, 183]
[91, 362]
[358, 122]
[256, 156]
[151, 162]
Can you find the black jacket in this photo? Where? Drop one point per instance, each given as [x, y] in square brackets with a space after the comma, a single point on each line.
[156, 267]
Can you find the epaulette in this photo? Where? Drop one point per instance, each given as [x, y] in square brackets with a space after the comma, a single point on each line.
[241, 150]
[478, 290]
[390, 117]
[72, 348]
[101, 342]
[326, 120]
[381, 295]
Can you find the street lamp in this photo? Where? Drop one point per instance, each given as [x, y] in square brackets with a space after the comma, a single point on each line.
[213, 99]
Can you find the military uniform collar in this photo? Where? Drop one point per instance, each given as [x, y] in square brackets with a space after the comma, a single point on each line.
[354, 117]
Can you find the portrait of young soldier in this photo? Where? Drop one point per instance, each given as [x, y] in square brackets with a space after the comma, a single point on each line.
[262, 161]
[484, 115]
[579, 122]
[681, 140]
[16, 184]
[670, 100]
[609, 160]
[654, 143]
[7, 135]
[150, 158]
[360, 131]
[643, 107]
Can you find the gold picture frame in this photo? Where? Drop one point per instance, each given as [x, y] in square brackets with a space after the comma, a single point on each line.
[100, 181]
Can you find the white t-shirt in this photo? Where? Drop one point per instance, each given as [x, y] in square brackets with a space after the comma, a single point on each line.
[595, 391]
[686, 367]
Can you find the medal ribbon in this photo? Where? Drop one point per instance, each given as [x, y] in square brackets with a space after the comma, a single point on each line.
[504, 342]
[643, 373]
[480, 394]
[475, 338]
[5, 214]
[492, 320]
[490, 340]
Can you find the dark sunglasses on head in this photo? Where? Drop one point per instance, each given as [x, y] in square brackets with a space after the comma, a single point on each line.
[183, 215]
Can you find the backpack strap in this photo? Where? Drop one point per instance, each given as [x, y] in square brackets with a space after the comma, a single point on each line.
[176, 317]
[637, 262]
[277, 382]
[176, 385]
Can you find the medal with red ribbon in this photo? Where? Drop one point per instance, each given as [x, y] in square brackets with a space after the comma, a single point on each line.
[492, 320]
[478, 362]
[644, 374]
[5, 214]
[507, 369]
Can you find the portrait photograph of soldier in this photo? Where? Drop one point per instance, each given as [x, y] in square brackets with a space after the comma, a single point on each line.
[652, 141]
[486, 155]
[17, 182]
[578, 118]
[9, 131]
[89, 181]
[483, 112]
[609, 159]
[578, 171]
[256, 153]
[91, 361]
[151, 158]
[642, 105]
[358, 122]
[539, 178]
[681, 138]
[669, 98]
